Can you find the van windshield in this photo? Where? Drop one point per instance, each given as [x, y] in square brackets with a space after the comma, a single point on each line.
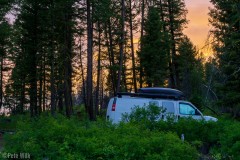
[186, 109]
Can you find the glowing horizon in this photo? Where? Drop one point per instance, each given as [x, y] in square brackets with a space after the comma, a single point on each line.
[198, 27]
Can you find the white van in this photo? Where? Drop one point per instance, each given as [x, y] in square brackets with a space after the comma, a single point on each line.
[171, 100]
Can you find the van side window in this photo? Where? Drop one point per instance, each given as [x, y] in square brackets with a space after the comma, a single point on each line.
[186, 109]
[169, 106]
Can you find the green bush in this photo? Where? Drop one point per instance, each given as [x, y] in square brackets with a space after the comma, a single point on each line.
[8, 123]
[229, 141]
[221, 138]
[145, 136]
[61, 138]
[147, 116]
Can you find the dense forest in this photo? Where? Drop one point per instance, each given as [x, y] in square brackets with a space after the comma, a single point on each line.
[61, 61]
[59, 54]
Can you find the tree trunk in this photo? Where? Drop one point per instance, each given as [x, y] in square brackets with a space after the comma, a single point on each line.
[22, 97]
[109, 58]
[124, 85]
[40, 89]
[173, 73]
[33, 64]
[1, 83]
[141, 45]
[33, 88]
[132, 49]
[82, 75]
[121, 47]
[68, 64]
[52, 59]
[52, 87]
[60, 100]
[98, 69]
[89, 62]
[44, 85]
[112, 70]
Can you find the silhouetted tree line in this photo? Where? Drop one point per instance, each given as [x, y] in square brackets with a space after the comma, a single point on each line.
[96, 48]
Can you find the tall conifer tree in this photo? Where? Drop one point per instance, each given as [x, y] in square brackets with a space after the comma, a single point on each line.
[153, 56]
[226, 28]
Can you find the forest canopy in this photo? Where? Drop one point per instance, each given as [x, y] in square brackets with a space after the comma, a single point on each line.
[59, 54]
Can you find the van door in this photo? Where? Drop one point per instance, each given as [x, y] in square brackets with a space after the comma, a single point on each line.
[188, 110]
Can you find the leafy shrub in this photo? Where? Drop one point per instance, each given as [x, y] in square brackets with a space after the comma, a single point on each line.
[146, 136]
[146, 116]
[8, 123]
[61, 138]
[221, 138]
[149, 117]
[229, 141]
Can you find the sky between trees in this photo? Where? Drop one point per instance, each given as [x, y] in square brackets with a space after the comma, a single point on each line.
[198, 26]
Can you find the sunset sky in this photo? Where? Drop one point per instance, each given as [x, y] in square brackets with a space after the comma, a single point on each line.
[198, 25]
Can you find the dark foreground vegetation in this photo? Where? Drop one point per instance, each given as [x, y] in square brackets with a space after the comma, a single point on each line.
[141, 138]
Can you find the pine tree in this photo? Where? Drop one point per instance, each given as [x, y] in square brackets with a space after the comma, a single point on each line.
[190, 72]
[226, 28]
[16, 88]
[5, 31]
[131, 16]
[29, 21]
[153, 56]
[6, 5]
[5, 44]
[187, 65]
[43, 52]
[174, 13]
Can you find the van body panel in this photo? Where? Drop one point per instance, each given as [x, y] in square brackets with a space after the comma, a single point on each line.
[124, 105]
[173, 108]
[109, 110]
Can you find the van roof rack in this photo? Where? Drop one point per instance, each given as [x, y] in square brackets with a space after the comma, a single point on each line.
[165, 93]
